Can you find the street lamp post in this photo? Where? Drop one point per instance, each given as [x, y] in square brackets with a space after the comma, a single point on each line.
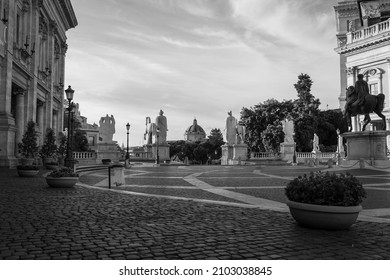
[69, 156]
[127, 163]
[157, 155]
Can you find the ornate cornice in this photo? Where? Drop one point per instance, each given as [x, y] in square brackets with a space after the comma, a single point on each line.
[364, 46]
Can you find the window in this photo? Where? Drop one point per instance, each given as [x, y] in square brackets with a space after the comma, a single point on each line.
[374, 89]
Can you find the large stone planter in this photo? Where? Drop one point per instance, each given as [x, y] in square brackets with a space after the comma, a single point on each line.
[324, 216]
[61, 182]
[27, 173]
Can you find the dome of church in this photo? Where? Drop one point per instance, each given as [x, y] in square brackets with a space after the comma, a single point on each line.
[195, 132]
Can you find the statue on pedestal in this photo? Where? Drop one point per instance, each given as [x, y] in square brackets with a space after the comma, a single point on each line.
[230, 128]
[316, 143]
[288, 129]
[162, 126]
[107, 128]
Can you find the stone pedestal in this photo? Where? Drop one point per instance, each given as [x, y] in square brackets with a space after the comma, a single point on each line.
[287, 151]
[240, 152]
[163, 151]
[117, 175]
[107, 150]
[369, 146]
[234, 154]
[227, 155]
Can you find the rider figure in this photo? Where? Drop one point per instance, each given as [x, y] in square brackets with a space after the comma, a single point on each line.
[361, 88]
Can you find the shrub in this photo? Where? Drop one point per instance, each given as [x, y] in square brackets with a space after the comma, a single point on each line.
[29, 145]
[49, 147]
[326, 189]
[27, 167]
[63, 172]
[106, 161]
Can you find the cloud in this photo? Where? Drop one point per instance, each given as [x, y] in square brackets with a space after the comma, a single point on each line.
[196, 58]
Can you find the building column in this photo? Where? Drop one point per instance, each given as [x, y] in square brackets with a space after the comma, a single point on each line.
[40, 118]
[19, 116]
[55, 122]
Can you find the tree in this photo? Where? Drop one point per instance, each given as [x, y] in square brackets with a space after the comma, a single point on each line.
[49, 147]
[256, 119]
[214, 143]
[29, 145]
[305, 113]
[272, 136]
[80, 141]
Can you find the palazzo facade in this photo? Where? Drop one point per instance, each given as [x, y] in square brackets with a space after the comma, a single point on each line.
[363, 43]
[32, 64]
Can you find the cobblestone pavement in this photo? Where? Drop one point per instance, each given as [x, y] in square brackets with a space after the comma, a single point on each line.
[198, 212]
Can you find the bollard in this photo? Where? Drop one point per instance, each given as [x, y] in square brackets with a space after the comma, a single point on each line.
[119, 178]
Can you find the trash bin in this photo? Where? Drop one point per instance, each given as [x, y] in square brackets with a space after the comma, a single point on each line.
[117, 175]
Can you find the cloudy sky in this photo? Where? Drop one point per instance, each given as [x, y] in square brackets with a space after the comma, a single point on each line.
[196, 59]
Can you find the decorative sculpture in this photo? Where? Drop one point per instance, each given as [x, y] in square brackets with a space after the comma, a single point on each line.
[107, 128]
[372, 103]
[231, 130]
[162, 126]
[288, 129]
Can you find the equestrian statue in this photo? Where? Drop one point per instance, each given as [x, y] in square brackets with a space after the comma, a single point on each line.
[363, 104]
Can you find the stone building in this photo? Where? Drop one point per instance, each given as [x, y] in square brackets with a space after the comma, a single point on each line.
[363, 43]
[194, 132]
[32, 63]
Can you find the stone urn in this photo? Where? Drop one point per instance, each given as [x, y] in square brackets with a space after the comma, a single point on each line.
[325, 200]
[324, 216]
[62, 178]
[28, 173]
[27, 170]
[61, 182]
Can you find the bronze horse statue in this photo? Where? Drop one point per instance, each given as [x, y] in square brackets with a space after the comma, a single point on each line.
[372, 103]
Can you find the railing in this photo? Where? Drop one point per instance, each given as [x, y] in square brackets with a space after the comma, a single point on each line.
[299, 155]
[359, 35]
[84, 155]
[265, 155]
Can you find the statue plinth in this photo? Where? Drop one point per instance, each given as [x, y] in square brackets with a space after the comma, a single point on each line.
[368, 146]
[234, 154]
[163, 151]
[287, 151]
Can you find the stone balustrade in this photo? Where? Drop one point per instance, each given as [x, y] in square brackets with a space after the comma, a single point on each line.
[84, 155]
[376, 29]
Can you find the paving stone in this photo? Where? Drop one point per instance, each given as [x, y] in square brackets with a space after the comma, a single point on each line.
[38, 222]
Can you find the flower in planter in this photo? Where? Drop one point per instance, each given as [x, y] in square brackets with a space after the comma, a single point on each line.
[63, 172]
[326, 189]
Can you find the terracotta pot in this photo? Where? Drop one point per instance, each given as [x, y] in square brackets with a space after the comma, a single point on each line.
[28, 173]
[324, 216]
[62, 182]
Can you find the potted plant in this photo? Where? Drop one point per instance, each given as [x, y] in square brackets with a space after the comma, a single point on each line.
[325, 200]
[48, 151]
[28, 148]
[27, 170]
[63, 177]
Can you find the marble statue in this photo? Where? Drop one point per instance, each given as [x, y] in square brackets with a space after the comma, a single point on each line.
[230, 128]
[107, 128]
[288, 129]
[240, 134]
[162, 126]
[316, 143]
[150, 131]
